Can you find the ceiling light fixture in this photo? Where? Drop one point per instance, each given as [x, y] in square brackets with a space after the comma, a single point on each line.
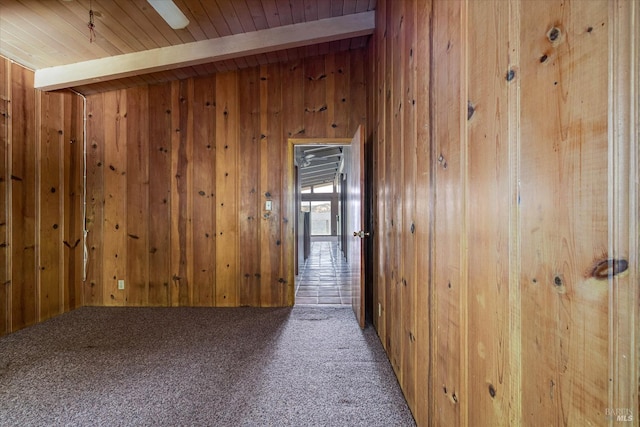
[170, 13]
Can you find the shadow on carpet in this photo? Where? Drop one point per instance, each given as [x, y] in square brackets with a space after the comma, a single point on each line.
[302, 366]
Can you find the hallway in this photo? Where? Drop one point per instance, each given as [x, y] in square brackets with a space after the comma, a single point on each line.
[324, 278]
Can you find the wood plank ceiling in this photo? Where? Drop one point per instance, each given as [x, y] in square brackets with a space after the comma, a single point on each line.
[40, 34]
[319, 164]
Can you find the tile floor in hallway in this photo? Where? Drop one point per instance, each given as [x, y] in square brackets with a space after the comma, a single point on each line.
[324, 278]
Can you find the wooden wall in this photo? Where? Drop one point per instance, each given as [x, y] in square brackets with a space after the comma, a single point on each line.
[506, 208]
[505, 166]
[41, 160]
[178, 175]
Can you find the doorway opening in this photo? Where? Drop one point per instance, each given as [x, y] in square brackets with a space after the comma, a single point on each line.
[348, 177]
[322, 273]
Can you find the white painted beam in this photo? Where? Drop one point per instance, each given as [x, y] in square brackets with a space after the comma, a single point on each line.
[200, 52]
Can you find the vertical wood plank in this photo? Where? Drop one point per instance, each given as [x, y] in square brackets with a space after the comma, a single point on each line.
[391, 309]
[227, 250]
[292, 122]
[23, 203]
[341, 96]
[71, 199]
[159, 222]
[94, 286]
[315, 101]
[273, 283]
[424, 211]
[396, 146]
[50, 212]
[5, 176]
[330, 90]
[407, 232]
[204, 197]
[137, 196]
[115, 205]
[283, 224]
[64, 200]
[446, 135]
[488, 227]
[564, 222]
[389, 257]
[515, 236]
[380, 306]
[178, 190]
[265, 262]
[181, 193]
[250, 213]
[293, 101]
[357, 94]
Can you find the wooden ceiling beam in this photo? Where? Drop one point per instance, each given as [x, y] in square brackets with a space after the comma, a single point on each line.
[205, 51]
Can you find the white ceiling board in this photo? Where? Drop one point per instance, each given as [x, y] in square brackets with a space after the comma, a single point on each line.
[205, 51]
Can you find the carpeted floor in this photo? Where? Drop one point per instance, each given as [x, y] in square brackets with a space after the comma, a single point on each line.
[305, 366]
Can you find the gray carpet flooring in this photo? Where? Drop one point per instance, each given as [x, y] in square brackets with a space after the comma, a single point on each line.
[302, 366]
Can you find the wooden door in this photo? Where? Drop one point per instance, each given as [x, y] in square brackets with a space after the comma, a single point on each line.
[355, 223]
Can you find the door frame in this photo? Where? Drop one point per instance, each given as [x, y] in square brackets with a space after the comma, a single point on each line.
[290, 250]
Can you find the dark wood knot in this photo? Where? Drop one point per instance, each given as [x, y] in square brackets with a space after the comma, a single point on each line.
[609, 268]
[553, 34]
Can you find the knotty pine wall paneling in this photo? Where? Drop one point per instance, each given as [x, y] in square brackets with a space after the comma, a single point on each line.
[522, 176]
[401, 283]
[41, 247]
[209, 154]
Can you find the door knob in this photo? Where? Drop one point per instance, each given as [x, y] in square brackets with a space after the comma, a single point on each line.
[361, 234]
